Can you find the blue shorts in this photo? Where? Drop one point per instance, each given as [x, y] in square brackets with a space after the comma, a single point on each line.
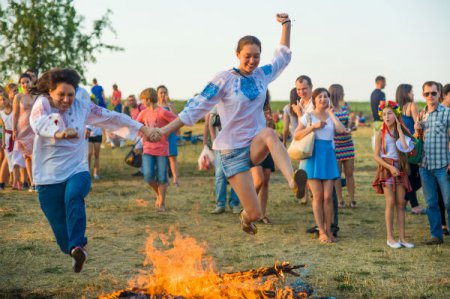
[155, 168]
[236, 161]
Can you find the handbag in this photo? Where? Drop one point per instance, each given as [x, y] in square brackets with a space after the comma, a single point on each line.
[415, 156]
[302, 149]
[133, 159]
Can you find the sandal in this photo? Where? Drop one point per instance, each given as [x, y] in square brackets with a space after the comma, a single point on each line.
[265, 220]
[353, 204]
[300, 179]
[249, 228]
[342, 205]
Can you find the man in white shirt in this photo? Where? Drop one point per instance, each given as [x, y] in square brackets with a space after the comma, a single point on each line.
[304, 86]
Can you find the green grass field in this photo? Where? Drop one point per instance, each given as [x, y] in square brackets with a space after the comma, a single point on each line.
[120, 214]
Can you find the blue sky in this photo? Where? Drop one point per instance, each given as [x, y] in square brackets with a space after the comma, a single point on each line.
[182, 44]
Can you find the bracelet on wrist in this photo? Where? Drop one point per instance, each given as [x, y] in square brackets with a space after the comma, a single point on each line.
[285, 22]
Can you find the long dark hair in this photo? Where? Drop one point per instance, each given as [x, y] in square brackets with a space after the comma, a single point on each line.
[293, 99]
[336, 94]
[49, 80]
[401, 95]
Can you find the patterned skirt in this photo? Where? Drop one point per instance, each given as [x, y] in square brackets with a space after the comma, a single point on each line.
[345, 150]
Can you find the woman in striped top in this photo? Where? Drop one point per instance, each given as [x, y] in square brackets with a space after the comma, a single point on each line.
[345, 150]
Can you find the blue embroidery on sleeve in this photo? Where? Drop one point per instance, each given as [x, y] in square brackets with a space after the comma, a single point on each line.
[267, 69]
[249, 88]
[210, 91]
[190, 103]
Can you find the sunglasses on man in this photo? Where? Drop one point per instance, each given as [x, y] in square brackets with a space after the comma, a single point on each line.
[427, 94]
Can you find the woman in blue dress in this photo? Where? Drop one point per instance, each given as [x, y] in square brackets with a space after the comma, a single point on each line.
[322, 168]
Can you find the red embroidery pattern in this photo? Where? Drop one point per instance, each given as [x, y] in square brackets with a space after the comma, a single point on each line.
[97, 110]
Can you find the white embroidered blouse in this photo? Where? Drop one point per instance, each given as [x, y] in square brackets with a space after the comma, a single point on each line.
[392, 145]
[240, 101]
[56, 160]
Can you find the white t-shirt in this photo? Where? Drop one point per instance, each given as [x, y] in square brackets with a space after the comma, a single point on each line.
[55, 160]
[239, 100]
[326, 133]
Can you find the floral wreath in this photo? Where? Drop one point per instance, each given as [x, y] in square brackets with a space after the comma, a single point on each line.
[389, 104]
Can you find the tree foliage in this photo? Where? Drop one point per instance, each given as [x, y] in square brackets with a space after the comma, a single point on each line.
[43, 34]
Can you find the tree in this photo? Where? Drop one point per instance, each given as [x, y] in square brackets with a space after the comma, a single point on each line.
[43, 34]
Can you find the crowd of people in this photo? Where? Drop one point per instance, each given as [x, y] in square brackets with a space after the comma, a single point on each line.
[51, 128]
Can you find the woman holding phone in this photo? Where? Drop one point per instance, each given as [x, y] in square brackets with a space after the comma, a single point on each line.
[322, 168]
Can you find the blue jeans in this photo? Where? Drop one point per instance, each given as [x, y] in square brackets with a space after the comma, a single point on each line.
[221, 184]
[155, 168]
[118, 108]
[430, 179]
[63, 205]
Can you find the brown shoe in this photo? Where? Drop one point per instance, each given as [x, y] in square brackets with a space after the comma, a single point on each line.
[434, 241]
[249, 228]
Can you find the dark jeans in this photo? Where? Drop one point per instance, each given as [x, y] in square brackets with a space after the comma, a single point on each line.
[335, 208]
[416, 184]
[63, 205]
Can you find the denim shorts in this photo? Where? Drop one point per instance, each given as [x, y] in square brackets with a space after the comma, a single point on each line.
[235, 161]
[155, 168]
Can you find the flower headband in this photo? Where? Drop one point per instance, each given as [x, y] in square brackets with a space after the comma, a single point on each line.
[389, 104]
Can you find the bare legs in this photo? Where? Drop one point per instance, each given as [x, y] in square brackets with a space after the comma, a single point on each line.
[160, 190]
[348, 167]
[174, 168]
[266, 141]
[261, 178]
[395, 200]
[322, 203]
[28, 165]
[94, 149]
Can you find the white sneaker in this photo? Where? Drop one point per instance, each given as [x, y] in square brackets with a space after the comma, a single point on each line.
[406, 244]
[396, 245]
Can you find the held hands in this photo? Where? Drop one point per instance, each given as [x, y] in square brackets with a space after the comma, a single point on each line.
[152, 134]
[68, 133]
[282, 17]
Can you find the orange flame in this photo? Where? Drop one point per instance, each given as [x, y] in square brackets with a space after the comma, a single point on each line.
[182, 269]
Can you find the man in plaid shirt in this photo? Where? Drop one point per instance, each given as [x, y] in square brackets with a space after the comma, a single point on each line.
[434, 170]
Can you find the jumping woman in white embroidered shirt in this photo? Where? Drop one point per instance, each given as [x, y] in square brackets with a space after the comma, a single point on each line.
[244, 140]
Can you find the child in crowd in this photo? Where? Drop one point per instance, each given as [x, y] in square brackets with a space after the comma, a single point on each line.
[12, 156]
[154, 161]
[94, 135]
[23, 135]
[391, 178]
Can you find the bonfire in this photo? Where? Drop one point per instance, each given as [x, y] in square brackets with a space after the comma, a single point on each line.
[181, 269]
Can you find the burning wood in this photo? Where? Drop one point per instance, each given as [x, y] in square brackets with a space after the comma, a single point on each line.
[183, 272]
